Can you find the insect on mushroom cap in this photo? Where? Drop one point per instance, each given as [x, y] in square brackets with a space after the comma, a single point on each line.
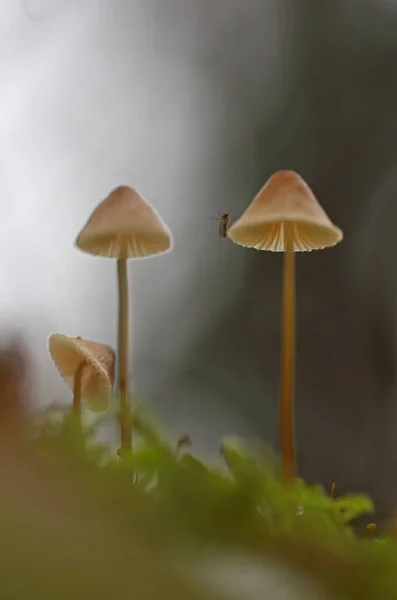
[285, 197]
[97, 379]
[125, 225]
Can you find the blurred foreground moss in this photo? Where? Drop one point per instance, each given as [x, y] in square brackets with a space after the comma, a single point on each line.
[76, 521]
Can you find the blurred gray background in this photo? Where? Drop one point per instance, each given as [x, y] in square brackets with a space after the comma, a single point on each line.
[196, 103]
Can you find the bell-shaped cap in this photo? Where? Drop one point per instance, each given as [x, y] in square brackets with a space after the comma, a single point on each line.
[97, 376]
[285, 198]
[124, 226]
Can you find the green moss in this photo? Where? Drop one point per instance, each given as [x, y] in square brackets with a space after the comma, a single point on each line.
[165, 494]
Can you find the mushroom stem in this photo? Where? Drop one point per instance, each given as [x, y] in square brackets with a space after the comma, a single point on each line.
[77, 391]
[287, 418]
[125, 426]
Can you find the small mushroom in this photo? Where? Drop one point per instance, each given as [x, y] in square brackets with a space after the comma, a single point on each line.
[124, 226]
[87, 368]
[286, 217]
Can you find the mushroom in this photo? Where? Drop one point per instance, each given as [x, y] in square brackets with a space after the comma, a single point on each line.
[124, 226]
[87, 368]
[286, 217]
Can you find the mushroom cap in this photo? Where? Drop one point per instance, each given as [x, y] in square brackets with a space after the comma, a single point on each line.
[124, 225]
[285, 197]
[97, 377]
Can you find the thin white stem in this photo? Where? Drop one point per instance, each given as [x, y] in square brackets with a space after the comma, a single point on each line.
[287, 415]
[125, 421]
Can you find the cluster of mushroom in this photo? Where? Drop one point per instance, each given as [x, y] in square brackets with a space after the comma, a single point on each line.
[284, 217]
[123, 226]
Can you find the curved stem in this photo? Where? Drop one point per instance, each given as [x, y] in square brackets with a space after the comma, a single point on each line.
[77, 391]
[125, 424]
[287, 417]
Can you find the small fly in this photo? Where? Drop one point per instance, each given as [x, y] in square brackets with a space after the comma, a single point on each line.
[224, 221]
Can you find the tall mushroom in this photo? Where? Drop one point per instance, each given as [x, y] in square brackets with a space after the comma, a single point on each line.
[87, 368]
[124, 226]
[286, 217]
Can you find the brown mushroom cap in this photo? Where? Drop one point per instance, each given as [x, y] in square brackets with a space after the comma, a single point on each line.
[124, 225]
[97, 377]
[285, 197]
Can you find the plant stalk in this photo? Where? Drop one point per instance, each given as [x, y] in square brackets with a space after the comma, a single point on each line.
[77, 391]
[77, 388]
[125, 420]
[287, 416]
